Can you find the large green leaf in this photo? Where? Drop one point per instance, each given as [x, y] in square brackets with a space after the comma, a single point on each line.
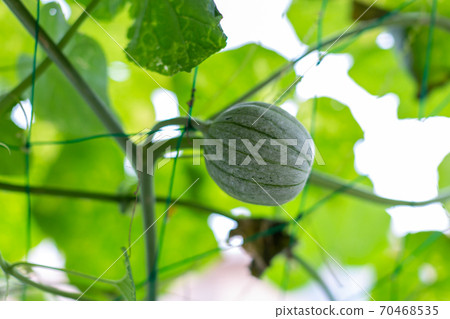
[335, 134]
[187, 234]
[420, 272]
[172, 36]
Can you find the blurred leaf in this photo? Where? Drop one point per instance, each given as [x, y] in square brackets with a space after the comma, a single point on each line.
[378, 79]
[444, 177]
[187, 234]
[226, 76]
[56, 101]
[89, 233]
[15, 41]
[336, 132]
[439, 68]
[392, 76]
[415, 40]
[12, 162]
[304, 15]
[356, 231]
[52, 20]
[364, 11]
[353, 234]
[173, 36]
[13, 216]
[106, 9]
[403, 66]
[417, 5]
[422, 273]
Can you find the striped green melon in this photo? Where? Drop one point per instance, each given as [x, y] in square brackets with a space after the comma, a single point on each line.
[280, 179]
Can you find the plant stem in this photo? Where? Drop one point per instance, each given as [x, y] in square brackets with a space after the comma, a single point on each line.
[334, 183]
[70, 272]
[104, 114]
[14, 95]
[148, 212]
[182, 120]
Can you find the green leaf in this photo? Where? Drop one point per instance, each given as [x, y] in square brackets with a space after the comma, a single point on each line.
[187, 234]
[13, 216]
[89, 233]
[353, 234]
[419, 272]
[56, 102]
[15, 41]
[392, 76]
[414, 6]
[106, 9]
[335, 134]
[52, 20]
[356, 231]
[444, 177]
[171, 36]
[12, 161]
[382, 78]
[439, 64]
[352, 231]
[304, 15]
[403, 66]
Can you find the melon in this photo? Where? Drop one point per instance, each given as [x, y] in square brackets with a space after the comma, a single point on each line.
[267, 153]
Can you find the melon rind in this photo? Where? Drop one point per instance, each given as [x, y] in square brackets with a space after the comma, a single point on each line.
[271, 184]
